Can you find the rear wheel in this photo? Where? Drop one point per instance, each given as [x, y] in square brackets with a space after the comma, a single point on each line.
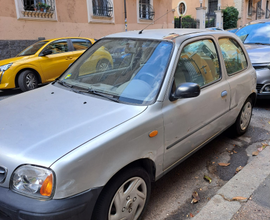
[243, 119]
[125, 197]
[103, 65]
[27, 80]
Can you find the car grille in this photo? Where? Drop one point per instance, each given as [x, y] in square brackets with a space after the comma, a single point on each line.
[3, 174]
[259, 87]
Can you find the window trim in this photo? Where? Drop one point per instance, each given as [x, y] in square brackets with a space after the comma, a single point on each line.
[141, 20]
[33, 15]
[244, 52]
[99, 19]
[189, 41]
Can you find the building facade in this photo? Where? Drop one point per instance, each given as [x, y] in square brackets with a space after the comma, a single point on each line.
[249, 10]
[23, 22]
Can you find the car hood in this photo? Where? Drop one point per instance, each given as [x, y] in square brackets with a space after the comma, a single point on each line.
[40, 126]
[14, 59]
[258, 53]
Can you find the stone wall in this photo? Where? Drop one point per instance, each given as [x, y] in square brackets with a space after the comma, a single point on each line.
[10, 48]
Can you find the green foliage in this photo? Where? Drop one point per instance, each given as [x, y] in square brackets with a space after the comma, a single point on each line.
[187, 22]
[230, 17]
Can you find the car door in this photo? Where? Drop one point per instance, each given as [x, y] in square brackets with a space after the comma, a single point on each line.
[53, 65]
[240, 77]
[191, 122]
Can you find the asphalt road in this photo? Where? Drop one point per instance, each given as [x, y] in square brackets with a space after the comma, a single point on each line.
[171, 195]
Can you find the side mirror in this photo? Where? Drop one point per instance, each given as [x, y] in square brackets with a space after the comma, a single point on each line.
[186, 90]
[46, 52]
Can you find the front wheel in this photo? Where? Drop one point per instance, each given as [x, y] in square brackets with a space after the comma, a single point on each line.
[243, 119]
[125, 197]
[27, 80]
[103, 65]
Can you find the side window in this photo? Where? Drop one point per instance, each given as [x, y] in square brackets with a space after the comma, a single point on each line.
[198, 63]
[233, 55]
[80, 44]
[59, 46]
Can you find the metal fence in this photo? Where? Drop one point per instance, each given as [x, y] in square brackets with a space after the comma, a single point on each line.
[186, 22]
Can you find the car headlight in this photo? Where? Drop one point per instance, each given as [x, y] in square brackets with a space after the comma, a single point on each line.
[32, 181]
[5, 67]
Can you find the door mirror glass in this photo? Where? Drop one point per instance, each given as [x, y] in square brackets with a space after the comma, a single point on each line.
[46, 52]
[186, 90]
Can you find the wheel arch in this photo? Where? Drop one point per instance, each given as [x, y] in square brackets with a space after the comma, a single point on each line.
[253, 97]
[34, 71]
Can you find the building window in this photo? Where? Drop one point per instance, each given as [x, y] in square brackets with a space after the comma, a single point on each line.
[146, 10]
[249, 7]
[102, 8]
[267, 9]
[36, 9]
[212, 7]
[100, 11]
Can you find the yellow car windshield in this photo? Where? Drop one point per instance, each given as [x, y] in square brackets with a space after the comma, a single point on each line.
[31, 50]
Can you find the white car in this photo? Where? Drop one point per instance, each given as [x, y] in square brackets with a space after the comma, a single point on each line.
[88, 145]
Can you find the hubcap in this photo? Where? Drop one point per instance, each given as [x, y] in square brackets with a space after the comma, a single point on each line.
[245, 116]
[103, 66]
[128, 202]
[31, 81]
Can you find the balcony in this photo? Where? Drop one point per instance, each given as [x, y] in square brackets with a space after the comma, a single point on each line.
[43, 9]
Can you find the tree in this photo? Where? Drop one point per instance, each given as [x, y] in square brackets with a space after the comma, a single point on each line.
[230, 17]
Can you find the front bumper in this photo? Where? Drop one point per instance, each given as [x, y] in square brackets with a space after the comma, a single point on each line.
[14, 206]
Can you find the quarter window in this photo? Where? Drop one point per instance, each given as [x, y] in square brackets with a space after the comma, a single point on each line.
[80, 44]
[233, 55]
[198, 63]
[59, 46]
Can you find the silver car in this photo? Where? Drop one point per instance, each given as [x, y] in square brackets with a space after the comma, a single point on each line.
[88, 145]
[256, 38]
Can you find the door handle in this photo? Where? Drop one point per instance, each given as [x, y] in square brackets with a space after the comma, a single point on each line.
[224, 93]
[68, 58]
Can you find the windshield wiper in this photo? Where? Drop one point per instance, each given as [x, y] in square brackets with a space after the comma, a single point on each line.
[63, 83]
[92, 91]
[258, 43]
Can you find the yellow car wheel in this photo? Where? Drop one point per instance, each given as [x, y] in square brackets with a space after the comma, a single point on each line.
[27, 80]
[103, 65]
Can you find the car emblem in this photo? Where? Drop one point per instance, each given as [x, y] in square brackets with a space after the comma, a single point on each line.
[3, 173]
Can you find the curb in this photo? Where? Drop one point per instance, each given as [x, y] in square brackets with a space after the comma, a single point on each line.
[243, 184]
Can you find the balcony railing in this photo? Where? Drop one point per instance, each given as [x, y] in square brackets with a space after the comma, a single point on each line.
[146, 11]
[102, 8]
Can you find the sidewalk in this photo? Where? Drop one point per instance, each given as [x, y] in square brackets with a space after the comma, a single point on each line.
[252, 184]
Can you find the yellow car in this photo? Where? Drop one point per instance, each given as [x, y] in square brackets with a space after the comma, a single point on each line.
[45, 60]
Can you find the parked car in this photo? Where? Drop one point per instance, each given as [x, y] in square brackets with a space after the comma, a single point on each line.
[232, 30]
[256, 38]
[88, 145]
[44, 61]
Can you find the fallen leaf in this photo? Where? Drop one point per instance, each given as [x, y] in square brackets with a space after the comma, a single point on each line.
[207, 178]
[239, 198]
[255, 153]
[269, 122]
[260, 149]
[238, 169]
[191, 215]
[223, 164]
[235, 151]
[196, 197]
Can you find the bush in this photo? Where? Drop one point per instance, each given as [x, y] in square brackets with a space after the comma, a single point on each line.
[230, 17]
[187, 22]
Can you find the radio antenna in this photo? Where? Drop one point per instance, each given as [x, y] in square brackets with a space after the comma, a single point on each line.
[157, 19]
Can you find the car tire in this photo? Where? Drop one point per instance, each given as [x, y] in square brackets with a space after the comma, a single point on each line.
[27, 80]
[103, 65]
[125, 196]
[242, 122]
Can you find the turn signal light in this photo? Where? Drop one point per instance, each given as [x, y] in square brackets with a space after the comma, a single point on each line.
[46, 188]
[153, 133]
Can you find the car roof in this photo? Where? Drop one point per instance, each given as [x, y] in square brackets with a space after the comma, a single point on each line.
[60, 38]
[160, 34]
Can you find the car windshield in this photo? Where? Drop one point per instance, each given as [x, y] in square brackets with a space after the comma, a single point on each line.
[123, 70]
[31, 50]
[255, 33]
